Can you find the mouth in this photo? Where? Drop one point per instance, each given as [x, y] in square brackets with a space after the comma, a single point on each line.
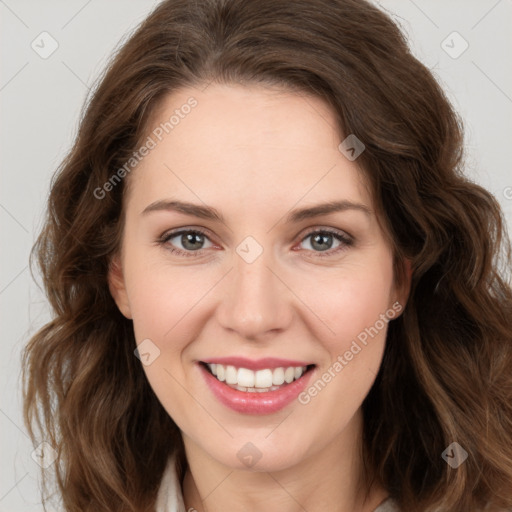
[256, 391]
[256, 381]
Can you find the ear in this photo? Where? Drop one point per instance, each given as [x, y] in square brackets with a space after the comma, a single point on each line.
[117, 286]
[401, 294]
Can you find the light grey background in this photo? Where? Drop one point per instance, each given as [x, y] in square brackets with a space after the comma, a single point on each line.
[41, 101]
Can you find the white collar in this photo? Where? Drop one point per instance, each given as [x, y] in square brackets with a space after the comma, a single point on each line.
[170, 497]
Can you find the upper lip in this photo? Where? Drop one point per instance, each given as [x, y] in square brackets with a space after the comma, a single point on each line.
[255, 364]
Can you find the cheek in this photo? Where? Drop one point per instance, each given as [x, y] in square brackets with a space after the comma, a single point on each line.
[352, 301]
[165, 304]
[353, 306]
[151, 308]
[159, 295]
[170, 305]
[354, 311]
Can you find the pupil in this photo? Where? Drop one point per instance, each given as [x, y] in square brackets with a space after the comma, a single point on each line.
[323, 239]
[189, 239]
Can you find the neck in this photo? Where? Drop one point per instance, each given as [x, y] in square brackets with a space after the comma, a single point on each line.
[329, 479]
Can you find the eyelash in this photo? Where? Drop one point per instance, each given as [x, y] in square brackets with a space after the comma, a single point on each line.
[345, 240]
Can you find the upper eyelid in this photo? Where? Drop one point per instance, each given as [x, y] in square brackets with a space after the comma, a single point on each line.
[179, 231]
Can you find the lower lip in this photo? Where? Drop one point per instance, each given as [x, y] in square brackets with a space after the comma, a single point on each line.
[266, 402]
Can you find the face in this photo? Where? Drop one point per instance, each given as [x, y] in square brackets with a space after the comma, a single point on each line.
[228, 267]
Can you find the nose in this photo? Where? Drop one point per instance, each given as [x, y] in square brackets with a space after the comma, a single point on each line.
[255, 303]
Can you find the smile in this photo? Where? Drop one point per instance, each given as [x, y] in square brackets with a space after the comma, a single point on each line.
[258, 381]
[268, 387]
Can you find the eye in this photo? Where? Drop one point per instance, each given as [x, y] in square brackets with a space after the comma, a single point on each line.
[322, 241]
[191, 241]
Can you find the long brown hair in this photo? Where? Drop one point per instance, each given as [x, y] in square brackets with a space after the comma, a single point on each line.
[446, 375]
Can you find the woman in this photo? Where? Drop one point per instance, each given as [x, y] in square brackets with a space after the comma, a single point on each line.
[273, 286]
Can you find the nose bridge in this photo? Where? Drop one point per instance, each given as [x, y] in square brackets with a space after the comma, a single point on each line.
[255, 302]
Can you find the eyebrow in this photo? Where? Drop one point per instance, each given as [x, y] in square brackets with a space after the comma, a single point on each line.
[325, 209]
[197, 210]
[297, 215]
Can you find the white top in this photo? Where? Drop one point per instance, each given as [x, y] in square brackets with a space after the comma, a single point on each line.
[170, 498]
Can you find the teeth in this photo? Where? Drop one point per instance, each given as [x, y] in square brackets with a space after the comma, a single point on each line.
[250, 381]
[289, 374]
[263, 378]
[278, 376]
[231, 377]
[245, 378]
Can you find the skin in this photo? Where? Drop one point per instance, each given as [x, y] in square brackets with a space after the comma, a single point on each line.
[254, 154]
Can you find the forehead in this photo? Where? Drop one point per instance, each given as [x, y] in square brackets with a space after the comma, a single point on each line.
[262, 144]
[242, 112]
